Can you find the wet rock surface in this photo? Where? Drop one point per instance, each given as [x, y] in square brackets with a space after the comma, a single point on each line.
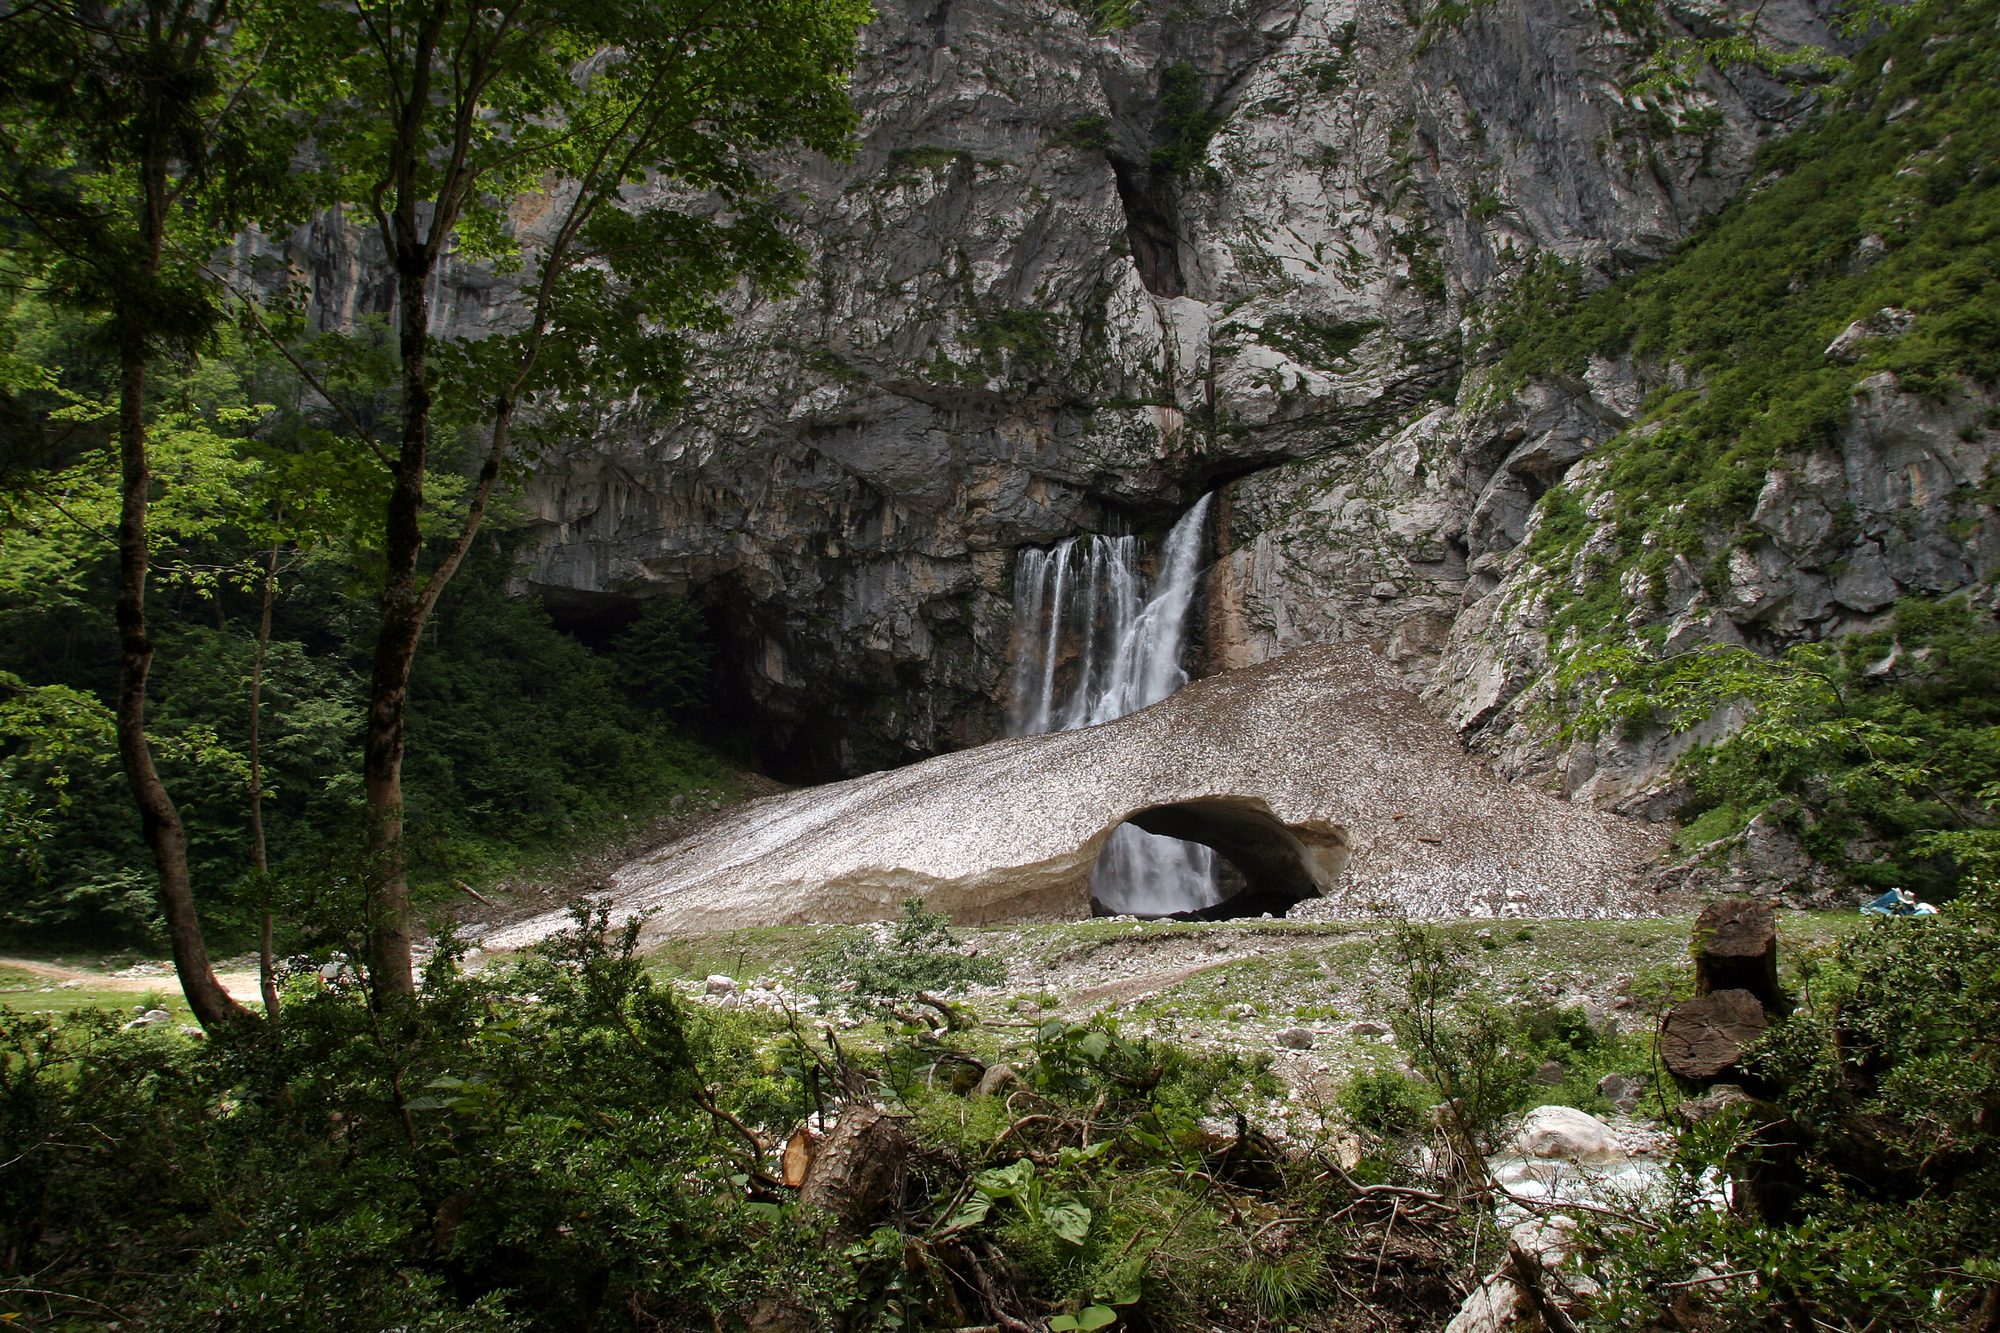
[1315, 772]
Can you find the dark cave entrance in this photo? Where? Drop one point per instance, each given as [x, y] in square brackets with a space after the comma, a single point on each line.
[1264, 864]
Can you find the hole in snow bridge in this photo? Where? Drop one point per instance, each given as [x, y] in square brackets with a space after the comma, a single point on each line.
[1278, 865]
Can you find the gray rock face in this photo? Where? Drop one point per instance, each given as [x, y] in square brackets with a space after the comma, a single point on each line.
[1890, 508]
[1040, 296]
[1313, 773]
[1023, 315]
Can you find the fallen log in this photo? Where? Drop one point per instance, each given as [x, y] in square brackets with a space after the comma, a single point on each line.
[856, 1166]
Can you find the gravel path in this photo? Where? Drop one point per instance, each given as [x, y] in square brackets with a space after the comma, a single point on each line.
[240, 985]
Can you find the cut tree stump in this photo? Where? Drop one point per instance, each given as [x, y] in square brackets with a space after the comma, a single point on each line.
[795, 1163]
[1736, 948]
[856, 1166]
[1709, 1033]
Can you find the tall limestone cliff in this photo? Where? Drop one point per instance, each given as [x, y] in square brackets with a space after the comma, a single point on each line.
[1093, 264]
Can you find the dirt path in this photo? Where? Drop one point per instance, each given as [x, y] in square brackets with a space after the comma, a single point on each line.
[240, 985]
[1127, 988]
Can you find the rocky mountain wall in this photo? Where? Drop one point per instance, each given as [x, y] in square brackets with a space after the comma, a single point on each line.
[1076, 268]
[1086, 266]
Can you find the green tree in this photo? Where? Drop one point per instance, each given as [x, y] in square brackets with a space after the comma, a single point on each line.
[131, 146]
[635, 130]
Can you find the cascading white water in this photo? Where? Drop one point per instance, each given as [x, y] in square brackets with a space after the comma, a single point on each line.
[1093, 642]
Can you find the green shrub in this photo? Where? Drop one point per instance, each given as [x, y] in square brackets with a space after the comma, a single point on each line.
[920, 954]
[1384, 1103]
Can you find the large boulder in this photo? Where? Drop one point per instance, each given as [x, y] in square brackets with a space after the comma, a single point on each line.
[1314, 774]
[1564, 1131]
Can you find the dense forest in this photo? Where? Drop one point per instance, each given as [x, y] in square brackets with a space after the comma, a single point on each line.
[270, 687]
[523, 739]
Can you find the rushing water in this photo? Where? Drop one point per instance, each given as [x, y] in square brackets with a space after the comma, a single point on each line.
[1092, 642]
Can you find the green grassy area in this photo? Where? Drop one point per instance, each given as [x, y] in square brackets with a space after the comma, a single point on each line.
[1308, 966]
[31, 994]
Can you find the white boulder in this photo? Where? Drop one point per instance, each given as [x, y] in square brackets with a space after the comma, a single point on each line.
[1564, 1131]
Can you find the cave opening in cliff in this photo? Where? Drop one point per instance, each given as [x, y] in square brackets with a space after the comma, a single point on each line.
[1215, 858]
[593, 619]
[725, 717]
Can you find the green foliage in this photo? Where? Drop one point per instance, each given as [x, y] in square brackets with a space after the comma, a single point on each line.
[663, 659]
[1882, 752]
[1107, 15]
[521, 735]
[1090, 133]
[1876, 1190]
[1188, 120]
[1320, 343]
[1384, 1103]
[481, 1162]
[133, 144]
[1419, 249]
[522, 740]
[1460, 1040]
[1031, 336]
[904, 164]
[1445, 15]
[917, 954]
[47, 730]
[1744, 312]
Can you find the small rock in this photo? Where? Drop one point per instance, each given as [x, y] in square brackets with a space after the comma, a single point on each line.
[1368, 1028]
[71, 985]
[1548, 1239]
[1297, 1039]
[995, 1078]
[1888, 322]
[1551, 1074]
[1718, 1099]
[719, 985]
[158, 1016]
[1564, 1131]
[1239, 1011]
[1622, 1090]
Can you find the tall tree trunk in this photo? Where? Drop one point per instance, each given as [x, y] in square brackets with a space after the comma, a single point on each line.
[158, 818]
[391, 966]
[267, 975]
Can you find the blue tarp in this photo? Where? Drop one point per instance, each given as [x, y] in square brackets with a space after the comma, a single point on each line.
[1897, 903]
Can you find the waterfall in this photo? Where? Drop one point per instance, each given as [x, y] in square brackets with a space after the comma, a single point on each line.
[1093, 642]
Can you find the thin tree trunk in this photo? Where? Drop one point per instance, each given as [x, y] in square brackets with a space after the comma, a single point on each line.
[267, 977]
[391, 965]
[158, 818]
